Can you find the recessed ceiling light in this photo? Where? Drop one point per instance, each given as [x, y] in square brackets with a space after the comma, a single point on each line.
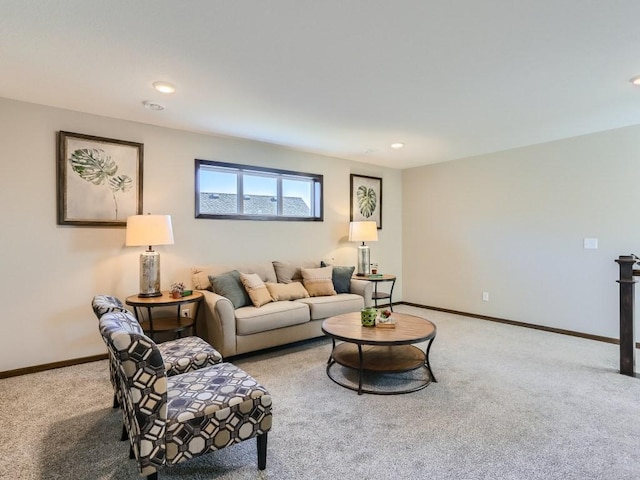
[635, 80]
[164, 87]
[152, 106]
[397, 145]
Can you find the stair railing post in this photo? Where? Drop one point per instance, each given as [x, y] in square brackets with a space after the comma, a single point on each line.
[627, 307]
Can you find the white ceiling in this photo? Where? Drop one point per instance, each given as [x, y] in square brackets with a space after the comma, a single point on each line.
[345, 78]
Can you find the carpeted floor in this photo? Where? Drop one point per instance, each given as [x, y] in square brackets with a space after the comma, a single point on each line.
[510, 403]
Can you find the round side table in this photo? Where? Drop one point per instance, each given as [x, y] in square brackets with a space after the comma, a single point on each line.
[166, 323]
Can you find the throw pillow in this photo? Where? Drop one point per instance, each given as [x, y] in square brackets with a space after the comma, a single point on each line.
[256, 289]
[318, 281]
[229, 285]
[286, 273]
[287, 291]
[341, 278]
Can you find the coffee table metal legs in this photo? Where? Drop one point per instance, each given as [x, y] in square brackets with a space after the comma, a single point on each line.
[360, 370]
[426, 359]
[344, 354]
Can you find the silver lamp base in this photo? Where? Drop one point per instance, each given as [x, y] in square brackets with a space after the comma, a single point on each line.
[363, 261]
[150, 274]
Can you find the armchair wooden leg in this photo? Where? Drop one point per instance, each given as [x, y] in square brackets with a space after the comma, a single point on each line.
[261, 440]
[131, 454]
[153, 476]
[116, 404]
[124, 435]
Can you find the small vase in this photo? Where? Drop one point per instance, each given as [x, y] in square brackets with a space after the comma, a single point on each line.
[368, 316]
[176, 294]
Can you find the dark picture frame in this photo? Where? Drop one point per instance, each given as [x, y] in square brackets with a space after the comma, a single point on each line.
[99, 180]
[366, 199]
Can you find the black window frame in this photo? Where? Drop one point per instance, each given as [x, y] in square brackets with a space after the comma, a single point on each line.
[317, 208]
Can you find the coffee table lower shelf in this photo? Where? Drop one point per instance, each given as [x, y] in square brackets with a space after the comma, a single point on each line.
[378, 359]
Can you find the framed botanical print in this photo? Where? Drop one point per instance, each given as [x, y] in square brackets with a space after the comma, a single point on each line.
[99, 180]
[366, 199]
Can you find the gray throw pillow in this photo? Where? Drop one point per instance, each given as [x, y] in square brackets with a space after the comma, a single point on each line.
[230, 286]
[341, 278]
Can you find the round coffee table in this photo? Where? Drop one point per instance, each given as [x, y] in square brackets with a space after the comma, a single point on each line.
[379, 350]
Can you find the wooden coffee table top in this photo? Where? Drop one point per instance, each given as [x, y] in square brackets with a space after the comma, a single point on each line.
[409, 329]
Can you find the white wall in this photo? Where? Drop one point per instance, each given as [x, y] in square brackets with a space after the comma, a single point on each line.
[51, 272]
[513, 224]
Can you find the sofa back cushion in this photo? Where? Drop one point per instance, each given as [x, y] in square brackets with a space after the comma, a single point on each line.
[341, 277]
[230, 286]
[291, 272]
[200, 274]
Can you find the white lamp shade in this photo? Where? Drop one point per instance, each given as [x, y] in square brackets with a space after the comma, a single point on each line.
[149, 230]
[363, 232]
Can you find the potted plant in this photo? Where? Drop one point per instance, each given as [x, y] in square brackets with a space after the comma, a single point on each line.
[176, 289]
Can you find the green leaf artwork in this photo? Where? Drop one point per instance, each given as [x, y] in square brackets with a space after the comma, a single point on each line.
[96, 167]
[367, 200]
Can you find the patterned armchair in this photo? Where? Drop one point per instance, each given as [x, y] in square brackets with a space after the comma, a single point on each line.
[173, 419]
[102, 304]
[180, 355]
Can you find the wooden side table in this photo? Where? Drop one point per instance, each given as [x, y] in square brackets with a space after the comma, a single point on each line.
[172, 323]
[376, 279]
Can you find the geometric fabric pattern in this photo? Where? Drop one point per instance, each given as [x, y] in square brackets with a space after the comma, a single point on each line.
[213, 408]
[102, 304]
[172, 419]
[122, 318]
[180, 355]
[186, 354]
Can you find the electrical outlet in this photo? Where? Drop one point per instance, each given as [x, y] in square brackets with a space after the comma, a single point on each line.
[186, 312]
[485, 296]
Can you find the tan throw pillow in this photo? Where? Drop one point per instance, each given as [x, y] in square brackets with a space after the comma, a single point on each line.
[256, 289]
[287, 291]
[318, 281]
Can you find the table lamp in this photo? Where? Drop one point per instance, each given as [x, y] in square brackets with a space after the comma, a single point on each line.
[363, 232]
[149, 230]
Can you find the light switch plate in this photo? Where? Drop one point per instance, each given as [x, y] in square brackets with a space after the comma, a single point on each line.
[591, 243]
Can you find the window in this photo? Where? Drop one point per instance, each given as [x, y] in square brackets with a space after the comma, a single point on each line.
[231, 191]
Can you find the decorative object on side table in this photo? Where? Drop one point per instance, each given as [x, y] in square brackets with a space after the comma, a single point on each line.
[385, 320]
[149, 230]
[368, 316]
[363, 232]
[177, 289]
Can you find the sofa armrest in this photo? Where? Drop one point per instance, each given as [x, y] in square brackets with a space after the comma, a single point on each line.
[220, 318]
[364, 289]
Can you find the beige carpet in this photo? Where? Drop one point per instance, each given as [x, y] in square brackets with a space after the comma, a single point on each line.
[510, 403]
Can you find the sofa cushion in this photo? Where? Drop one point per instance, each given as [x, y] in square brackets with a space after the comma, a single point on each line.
[200, 274]
[270, 316]
[256, 289]
[341, 277]
[318, 281]
[287, 291]
[229, 285]
[324, 307]
[289, 272]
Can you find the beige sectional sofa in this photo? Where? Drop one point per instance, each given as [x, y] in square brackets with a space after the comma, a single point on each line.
[247, 328]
